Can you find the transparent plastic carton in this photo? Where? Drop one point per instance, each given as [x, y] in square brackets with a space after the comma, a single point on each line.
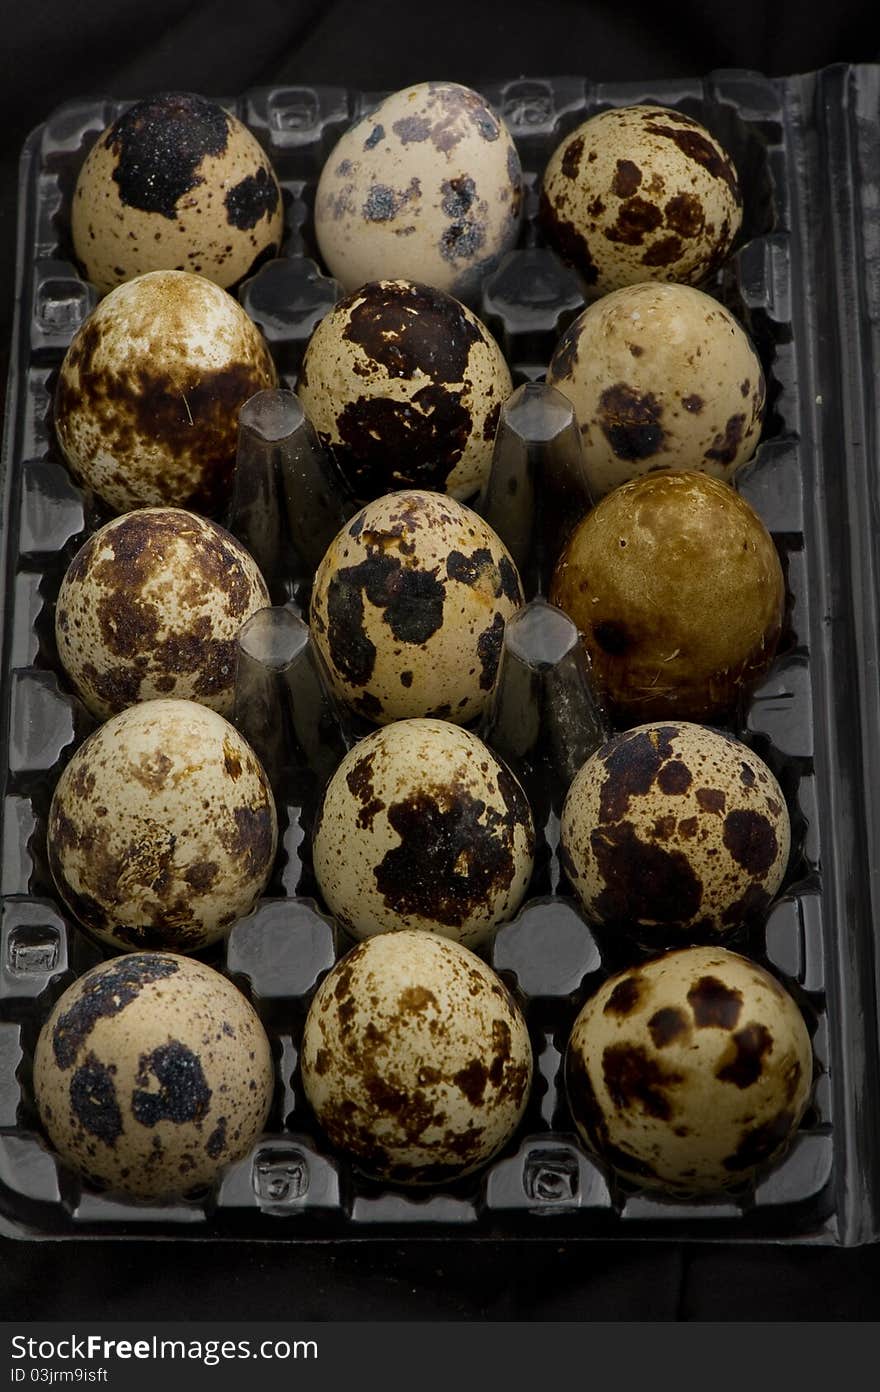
[804, 279]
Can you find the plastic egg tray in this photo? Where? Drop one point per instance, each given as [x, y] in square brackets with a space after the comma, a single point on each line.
[805, 280]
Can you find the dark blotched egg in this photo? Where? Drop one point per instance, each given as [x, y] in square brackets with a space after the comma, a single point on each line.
[406, 386]
[409, 606]
[175, 183]
[423, 827]
[690, 1072]
[152, 1074]
[675, 831]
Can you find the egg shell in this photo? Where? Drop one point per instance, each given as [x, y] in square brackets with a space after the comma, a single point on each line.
[641, 193]
[162, 828]
[678, 593]
[415, 1058]
[152, 1074]
[148, 395]
[660, 377]
[690, 1072]
[427, 186]
[409, 606]
[406, 386]
[675, 830]
[175, 183]
[151, 606]
[423, 827]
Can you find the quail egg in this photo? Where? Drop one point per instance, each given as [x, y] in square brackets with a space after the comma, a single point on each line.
[152, 1074]
[415, 1058]
[409, 606]
[423, 827]
[690, 1072]
[641, 193]
[148, 395]
[151, 606]
[406, 386]
[162, 828]
[660, 376]
[677, 590]
[675, 831]
[427, 186]
[175, 183]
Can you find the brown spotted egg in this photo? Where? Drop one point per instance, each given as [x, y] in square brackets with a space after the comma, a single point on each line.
[152, 1074]
[415, 1058]
[151, 606]
[409, 606]
[423, 827]
[175, 183]
[162, 828]
[675, 831]
[405, 385]
[641, 193]
[148, 395]
[427, 186]
[660, 377]
[690, 1072]
[677, 590]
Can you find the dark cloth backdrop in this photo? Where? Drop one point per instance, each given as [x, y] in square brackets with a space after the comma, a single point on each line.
[60, 49]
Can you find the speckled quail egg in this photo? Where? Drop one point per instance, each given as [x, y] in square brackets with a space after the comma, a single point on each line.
[152, 1074]
[416, 1058]
[677, 590]
[675, 832]
[689, 1072]
[162, 828]
[175, 183]
[409, 606]
[660, 376]
[151, 606]
[405, 385]
[423, 827]
[641, 193]
[427, 186]
[148, 395]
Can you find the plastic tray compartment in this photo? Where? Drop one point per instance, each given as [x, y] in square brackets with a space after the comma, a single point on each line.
[805, 279]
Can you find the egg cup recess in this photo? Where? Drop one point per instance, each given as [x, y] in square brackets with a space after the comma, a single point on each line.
[510, 1176]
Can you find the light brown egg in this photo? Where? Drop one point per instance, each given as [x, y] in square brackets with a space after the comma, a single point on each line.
[151, 606]
[406, 386]
[162, 828]
[675, 832]
[660, 377]
[427, 186]
[677, 590]
[175, 183]
[423, 827]
[415, 1058]
[147, 402]
[409, 606]
[152, 1074]
[690, 1072]
[641, 193]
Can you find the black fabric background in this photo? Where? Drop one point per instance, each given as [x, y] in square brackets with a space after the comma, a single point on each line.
[61, 49]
